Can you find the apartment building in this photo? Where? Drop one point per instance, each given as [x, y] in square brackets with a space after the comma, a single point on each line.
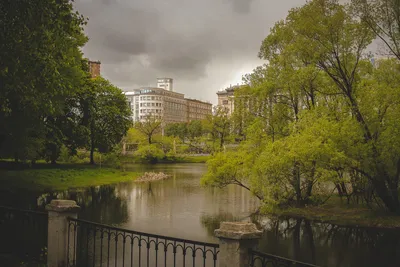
[197, 110]
[165, 104]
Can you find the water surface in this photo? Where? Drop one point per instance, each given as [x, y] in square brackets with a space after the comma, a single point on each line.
[180, 207]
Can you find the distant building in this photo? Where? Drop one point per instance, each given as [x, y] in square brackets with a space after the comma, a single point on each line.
[197, 110]
[165, 83]
[94, 68]
[226, 98]
[163, 103]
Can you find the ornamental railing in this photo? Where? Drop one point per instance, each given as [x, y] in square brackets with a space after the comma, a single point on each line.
[92, 244]
[23, 236]
[260, 259]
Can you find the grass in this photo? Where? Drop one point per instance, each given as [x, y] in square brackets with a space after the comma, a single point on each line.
[60, 177]
[337, 212]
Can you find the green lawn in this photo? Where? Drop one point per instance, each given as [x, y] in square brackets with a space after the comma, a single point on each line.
[60, 177]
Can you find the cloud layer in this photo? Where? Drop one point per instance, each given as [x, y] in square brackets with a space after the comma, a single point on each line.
[203, 45]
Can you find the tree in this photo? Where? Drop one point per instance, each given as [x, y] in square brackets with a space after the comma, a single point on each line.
[195, 129]
[218, 126]
[106, 114]
[40, 67]
[383, 18]
[324, 111]
[179, 129]
[149, 126]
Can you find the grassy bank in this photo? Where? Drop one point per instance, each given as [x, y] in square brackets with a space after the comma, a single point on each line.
[60, 177]
[337, 212]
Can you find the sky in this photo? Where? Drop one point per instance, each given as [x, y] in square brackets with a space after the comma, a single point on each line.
[204, 45]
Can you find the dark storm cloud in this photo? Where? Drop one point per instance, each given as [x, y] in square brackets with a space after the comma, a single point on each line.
[201, 44]
[241, 6]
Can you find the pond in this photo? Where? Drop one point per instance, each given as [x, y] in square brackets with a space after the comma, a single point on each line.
[180, 207]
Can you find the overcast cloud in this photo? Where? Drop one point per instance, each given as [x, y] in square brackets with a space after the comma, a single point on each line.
[204, 45]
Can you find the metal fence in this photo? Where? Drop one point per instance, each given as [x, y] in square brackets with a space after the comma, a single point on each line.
[92, 244]
[260, 259]
[23, 237]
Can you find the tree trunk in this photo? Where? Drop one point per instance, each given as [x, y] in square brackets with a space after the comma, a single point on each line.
[92, 154]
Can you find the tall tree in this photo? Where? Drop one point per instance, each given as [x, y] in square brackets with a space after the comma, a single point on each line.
[40, 65]
[106, 114]
[219, 126]
[383, 18]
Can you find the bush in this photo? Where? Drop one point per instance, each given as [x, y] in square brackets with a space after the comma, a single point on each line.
[150, 153]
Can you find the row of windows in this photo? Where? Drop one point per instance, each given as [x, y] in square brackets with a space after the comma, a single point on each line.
[200, 106]
[142, 98]
[150, 104]
[151, 111]
[156, 116]
[175, 105]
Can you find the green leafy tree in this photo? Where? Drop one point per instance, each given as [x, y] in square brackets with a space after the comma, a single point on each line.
[106, 115]
[149, 126]
[383, 18]
[218, 125]
[40, 68]
[179, 129]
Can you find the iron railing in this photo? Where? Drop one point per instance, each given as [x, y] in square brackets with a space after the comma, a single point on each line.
[23, 237]
[260, 259]
[92, 244]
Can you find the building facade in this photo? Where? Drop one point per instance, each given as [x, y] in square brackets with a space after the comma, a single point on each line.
[226, 98]
[165, 83]
[166, 105]
[94, 68]
[197, 110]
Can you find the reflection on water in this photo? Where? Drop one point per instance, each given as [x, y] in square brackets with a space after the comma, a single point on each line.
[180, 207]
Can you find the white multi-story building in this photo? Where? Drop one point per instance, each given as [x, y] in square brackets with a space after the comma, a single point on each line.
[164, 104]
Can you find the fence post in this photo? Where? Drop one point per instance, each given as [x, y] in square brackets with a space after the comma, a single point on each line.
[57, 240]
[235, 240]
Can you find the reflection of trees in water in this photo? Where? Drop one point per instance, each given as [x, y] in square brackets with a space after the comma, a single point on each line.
[212, 222]
[331, 245]
[100, 204]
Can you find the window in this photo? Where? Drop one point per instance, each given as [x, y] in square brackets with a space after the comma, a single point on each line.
[152, 98]
[153, 104]
[225, 102]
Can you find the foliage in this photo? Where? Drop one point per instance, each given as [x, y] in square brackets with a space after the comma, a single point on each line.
[149, 127]
[106, 114]
[319, 115]
[150, 153]
[383, 18]
[40, 68]
[178, 129]
[218, 125]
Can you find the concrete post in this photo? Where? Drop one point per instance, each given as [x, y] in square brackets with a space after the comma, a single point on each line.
[235, 240]
[57, 240]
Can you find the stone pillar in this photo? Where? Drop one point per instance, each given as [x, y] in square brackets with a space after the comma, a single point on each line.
[57, 240]
[235, 240]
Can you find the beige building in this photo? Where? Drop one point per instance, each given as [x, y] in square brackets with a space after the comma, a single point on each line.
[197, 110]
[165, 104]
[226, 98]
